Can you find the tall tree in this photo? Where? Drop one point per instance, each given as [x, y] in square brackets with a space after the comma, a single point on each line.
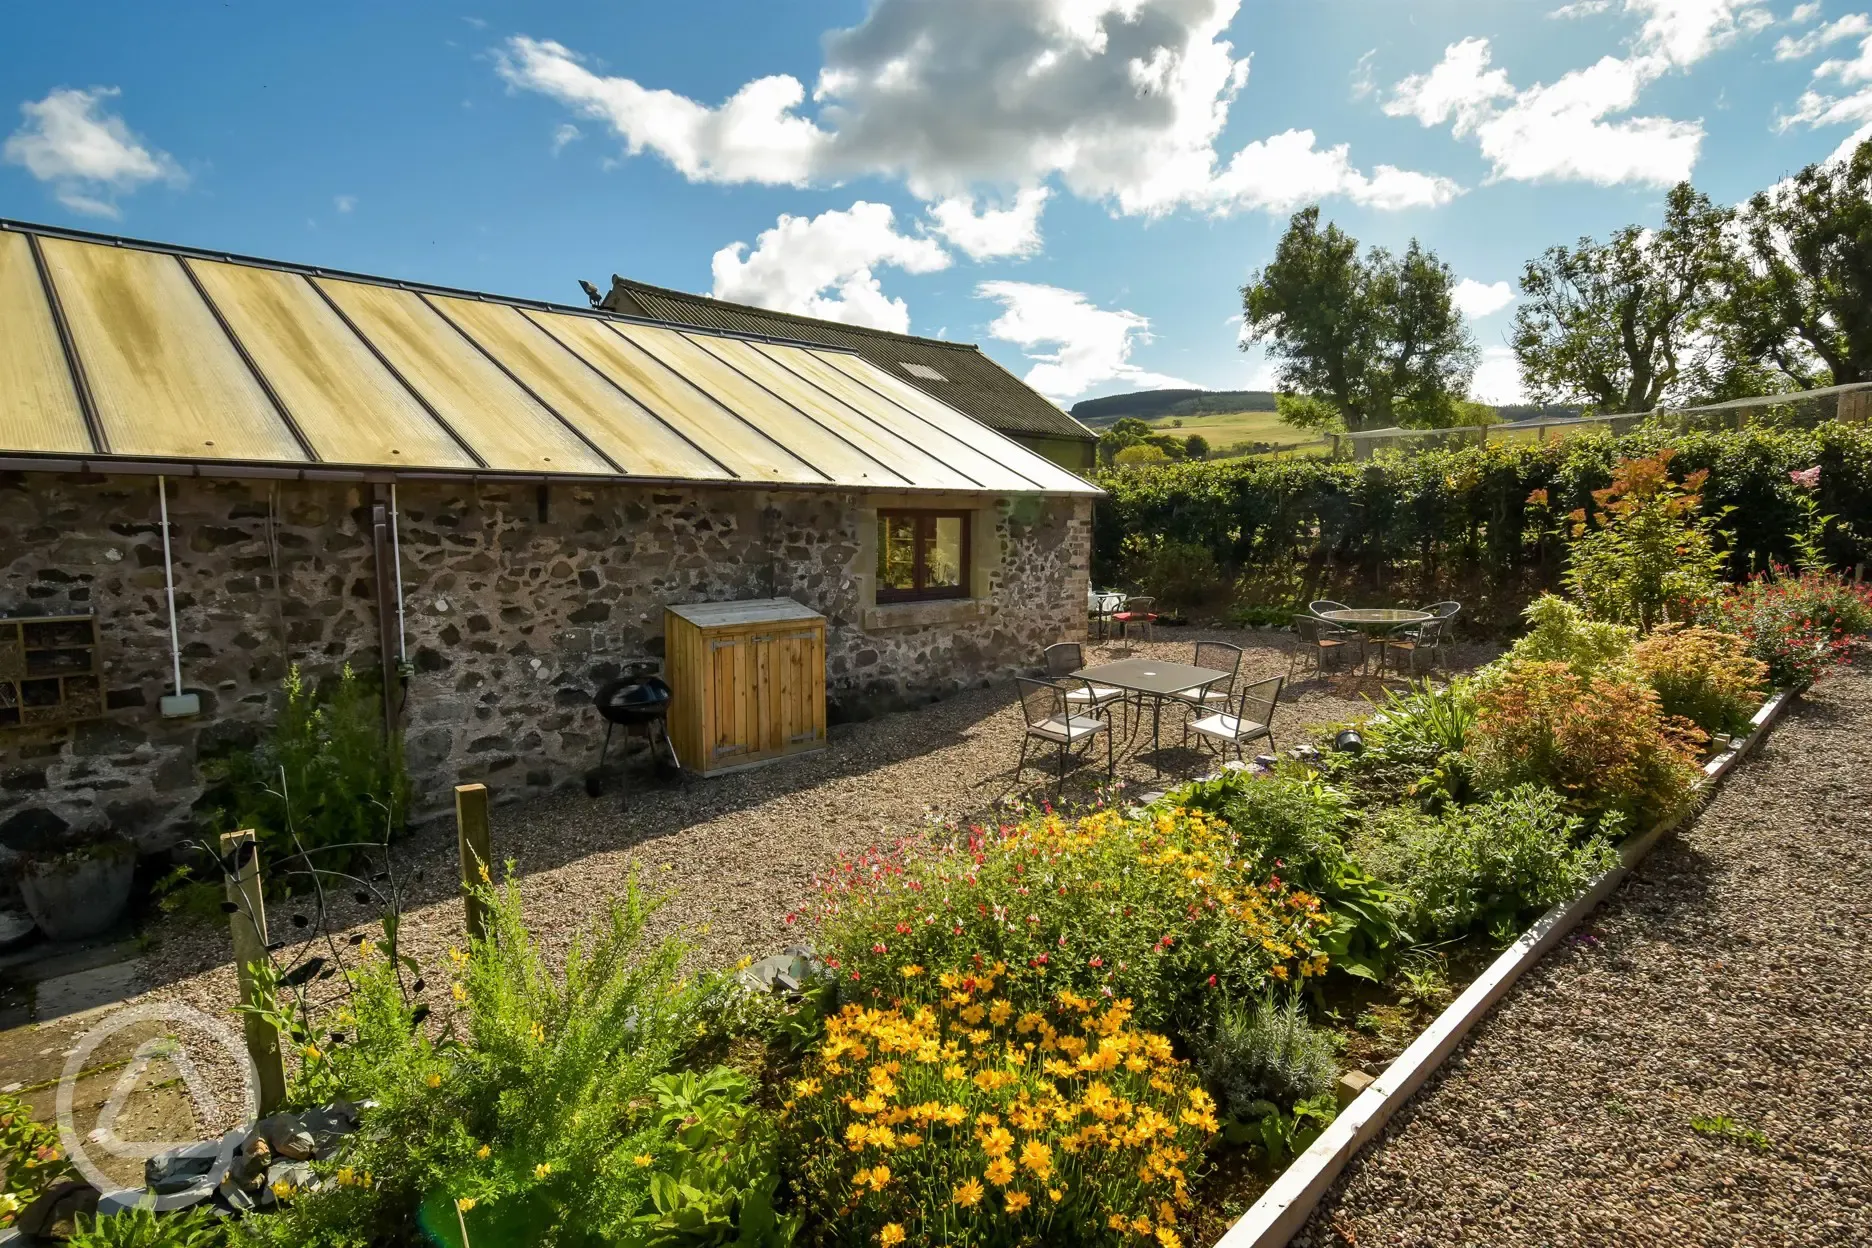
[1800, 304]
[1378, 336]
[1627, 324]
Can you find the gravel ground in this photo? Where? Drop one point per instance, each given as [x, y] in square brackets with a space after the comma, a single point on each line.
[1731, 976]
[735, 853]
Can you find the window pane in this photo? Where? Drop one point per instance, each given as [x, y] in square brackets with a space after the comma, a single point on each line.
[896, 566]
[944, 557]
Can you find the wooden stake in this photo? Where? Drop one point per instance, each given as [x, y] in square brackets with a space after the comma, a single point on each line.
[471, 838]
[248, 924]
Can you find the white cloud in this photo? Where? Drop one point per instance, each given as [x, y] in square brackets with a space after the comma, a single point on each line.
[1092, 345]
[823, 266]
[1858, 69]
[1790, 48]
[85, 152]
[992, 232]
[1569, 129]
[1804, 13]
[1459, 89]
[1498, 378]
[344, 203]
[1123, 100]
[1581, 8]
[1477, 299]
[1683, 32]
[564, 134]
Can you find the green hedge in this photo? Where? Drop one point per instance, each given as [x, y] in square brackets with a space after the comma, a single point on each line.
[1466, 509]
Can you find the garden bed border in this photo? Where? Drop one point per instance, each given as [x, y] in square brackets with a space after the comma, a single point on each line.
[1285, 1207]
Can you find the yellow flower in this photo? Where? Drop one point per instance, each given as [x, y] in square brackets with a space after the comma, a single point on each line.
[908, 972]
[1017, 1201]
[312, 1052]
[974, 1014]
[969, 1194]
[1037, 1158]
[1000, 1172]
[282, 1190]
[542, 1170]
[1118, 1222]
[880, 1175]
[539, 1032]
[460, 993]
[643, 1159]
[1169, 1238]
[345, 1176]
[1055, 1195]
[457, 956]
[805, 1087]
[485, 879]
[483, 1152]
[909, 1139]
[1141, 1225]
[1000, 1012]
[434, 1080]
[891, 1234]
[465, 1203]
[954, 1071]
[997, 1141]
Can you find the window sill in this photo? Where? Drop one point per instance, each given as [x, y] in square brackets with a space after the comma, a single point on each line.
[924, 614]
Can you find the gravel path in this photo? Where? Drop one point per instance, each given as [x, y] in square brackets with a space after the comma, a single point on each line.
[736, 853]
[1731, 976]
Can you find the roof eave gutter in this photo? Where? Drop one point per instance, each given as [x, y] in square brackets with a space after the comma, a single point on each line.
[249, 471]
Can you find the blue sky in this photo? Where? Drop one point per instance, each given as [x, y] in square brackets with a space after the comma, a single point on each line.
[1079, 185]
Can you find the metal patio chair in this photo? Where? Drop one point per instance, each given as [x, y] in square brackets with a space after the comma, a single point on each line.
[1062, 660]
[1322, 639]
[1047, 717]
[1413, 640]
[1319, 606]
[1140, 612]
[1217, 656]
[1251, 718]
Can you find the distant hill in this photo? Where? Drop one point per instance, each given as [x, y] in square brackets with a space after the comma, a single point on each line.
[1151, 404]
[1513, 412]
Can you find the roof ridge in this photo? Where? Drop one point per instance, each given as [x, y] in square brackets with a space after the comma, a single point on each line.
[670, 292]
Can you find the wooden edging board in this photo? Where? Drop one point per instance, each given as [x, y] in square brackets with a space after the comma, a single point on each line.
[1284, 1208]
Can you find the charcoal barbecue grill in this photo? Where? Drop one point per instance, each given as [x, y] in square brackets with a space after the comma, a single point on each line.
[637, 701]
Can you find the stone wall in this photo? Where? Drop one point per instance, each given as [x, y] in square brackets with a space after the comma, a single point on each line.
[519, 599]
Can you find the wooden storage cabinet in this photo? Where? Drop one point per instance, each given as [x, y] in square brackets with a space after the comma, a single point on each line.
[748, 681]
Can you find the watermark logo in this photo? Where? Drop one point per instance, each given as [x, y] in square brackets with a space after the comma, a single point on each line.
[103, 1141]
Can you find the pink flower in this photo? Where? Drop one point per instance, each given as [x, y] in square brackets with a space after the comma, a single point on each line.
[1806, 478]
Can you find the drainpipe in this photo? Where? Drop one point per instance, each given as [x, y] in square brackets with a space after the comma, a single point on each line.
[178, 704]
[391, 668]
[396, 561]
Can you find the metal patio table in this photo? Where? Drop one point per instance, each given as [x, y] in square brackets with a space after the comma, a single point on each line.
[1154, 679]
[1375, 621]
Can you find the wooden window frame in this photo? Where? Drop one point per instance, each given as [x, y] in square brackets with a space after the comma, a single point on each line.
[925, 521]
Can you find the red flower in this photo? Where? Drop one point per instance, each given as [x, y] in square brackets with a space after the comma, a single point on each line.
[1212, 981]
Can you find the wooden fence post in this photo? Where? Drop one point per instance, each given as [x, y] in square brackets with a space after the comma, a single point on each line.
[471, 838]
[248, 923]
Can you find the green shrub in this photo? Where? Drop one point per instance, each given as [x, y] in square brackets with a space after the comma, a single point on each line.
[1703, 676]
[1180, 575]
[1644, 553]
[143, 1228]
[1422, 724]
[1602, 742]
[1560, 632]
[325, 779]
[538, 1106]
[1265, 1050]
[1489, 867]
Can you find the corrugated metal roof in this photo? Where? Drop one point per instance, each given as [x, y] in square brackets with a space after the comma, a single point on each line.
[115, 350]
[965, 377]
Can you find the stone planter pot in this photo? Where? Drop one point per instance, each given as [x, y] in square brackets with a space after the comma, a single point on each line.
[79, 893]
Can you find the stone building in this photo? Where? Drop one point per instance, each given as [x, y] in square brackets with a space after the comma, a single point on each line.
[498, 496]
